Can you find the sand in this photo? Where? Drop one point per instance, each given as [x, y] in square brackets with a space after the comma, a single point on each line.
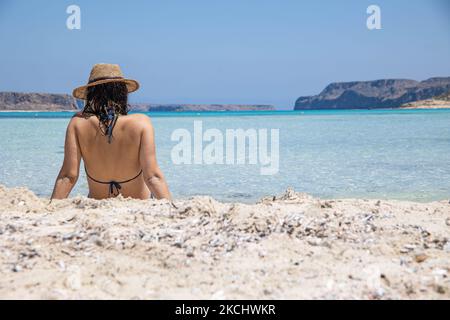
[292, 246]
[427, 104]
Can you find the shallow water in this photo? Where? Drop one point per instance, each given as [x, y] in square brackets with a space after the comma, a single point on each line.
[392, 154]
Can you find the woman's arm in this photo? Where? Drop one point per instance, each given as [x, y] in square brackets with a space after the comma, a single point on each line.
[68, 175]
[153, 175]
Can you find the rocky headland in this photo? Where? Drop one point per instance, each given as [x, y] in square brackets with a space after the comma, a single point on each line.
[13, 101]
[386, 93]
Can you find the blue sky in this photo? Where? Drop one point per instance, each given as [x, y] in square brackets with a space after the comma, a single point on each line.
[233, 51]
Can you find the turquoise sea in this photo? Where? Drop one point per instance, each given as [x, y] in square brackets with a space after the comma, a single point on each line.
[389, 154]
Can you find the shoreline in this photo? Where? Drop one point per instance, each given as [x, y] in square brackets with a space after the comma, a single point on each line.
[428, 104]
[427, 108]
[291, 246]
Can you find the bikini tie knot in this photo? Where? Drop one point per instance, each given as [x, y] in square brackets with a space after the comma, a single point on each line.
[116, 185]
[111, 118]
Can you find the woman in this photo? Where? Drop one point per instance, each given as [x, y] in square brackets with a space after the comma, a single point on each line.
[118, 150]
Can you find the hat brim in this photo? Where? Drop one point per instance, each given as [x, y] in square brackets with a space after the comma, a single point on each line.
[81, 92]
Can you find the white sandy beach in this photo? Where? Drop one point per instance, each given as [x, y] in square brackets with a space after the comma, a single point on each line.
[289, 247]
[427, 104]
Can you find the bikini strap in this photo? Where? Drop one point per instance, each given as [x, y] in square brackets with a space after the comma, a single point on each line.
[112, 117]
[110, 128]
[140, 172]
[112, 184]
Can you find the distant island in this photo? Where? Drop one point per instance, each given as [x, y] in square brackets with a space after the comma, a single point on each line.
[200, 107]
[18, 101]
[386, 93]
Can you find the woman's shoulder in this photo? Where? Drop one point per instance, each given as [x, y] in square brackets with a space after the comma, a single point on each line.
[77, 117]
[80, 115]
[138, 116]
[139, 119]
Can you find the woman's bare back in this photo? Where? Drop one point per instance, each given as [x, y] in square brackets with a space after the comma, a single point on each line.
[130, 154]
[115, 161]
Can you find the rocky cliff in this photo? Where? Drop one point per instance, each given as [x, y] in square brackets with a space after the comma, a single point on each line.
[387, 93]
[36, 101]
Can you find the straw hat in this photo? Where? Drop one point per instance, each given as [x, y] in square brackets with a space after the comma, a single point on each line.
[104, 73]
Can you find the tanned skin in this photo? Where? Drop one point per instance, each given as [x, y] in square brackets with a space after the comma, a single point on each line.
[132, 149]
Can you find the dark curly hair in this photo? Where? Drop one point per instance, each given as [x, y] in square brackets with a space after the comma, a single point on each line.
[106, 101]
